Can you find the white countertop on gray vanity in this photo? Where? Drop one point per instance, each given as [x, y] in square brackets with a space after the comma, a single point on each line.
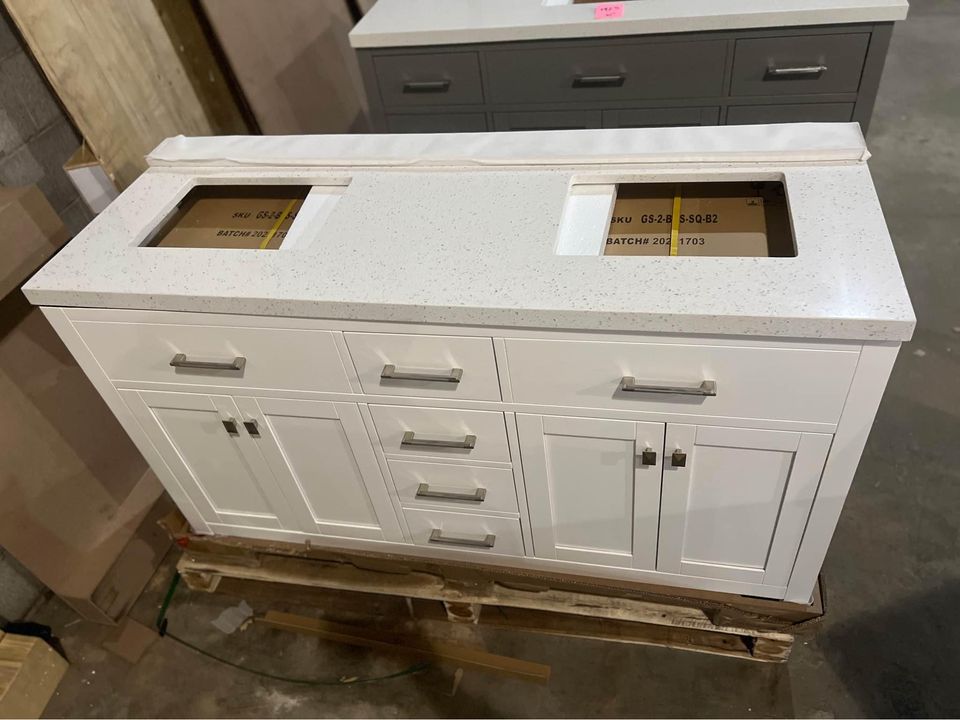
[462, 229]
[399, 23]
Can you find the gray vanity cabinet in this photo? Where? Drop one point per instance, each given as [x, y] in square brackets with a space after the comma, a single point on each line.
[797, 74]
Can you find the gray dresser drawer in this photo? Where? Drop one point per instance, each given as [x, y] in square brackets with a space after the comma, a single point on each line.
[429, 79]
[547, 120]
[797, 65]
[661, 117]
[588, 73]
[795, 112]
[437, 122]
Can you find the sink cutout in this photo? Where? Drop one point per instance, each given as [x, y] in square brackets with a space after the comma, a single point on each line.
[684, 219]
[239, 217]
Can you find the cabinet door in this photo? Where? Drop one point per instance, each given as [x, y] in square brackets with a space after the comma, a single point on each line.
[324, 463]
[734, 508]
[205, 445]
[591, 497]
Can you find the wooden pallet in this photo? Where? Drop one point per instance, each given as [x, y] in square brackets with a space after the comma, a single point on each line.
[716, 623]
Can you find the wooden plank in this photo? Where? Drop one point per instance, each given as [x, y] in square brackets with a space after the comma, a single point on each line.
[30, 671]
[422, 646]
[298, 571]
[119, 76]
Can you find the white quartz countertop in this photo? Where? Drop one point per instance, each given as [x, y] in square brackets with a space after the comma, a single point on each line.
[398, 23]
[462, 229]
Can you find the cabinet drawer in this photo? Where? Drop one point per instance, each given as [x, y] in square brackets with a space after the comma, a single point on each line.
[459, 531]
[794, 112]
[588, 73]
[460, 487]
[466, 434]
[547, 120]
[799, 65]
[271, 358]
[437, 122]
[661, 117]
[429, 79]
[750, 382]
[437, 358]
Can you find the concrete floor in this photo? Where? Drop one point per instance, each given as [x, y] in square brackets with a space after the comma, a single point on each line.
[890, 643]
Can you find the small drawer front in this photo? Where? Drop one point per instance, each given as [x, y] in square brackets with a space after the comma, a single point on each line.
[267, 357]
[459, 487]
[794, 112]
[442, 433]
[425, 365]
[661, 117]
[437, 122]
[429, 79]
[547, 120]
[747, 382]
[799, 65]
[589, 73]
[459, 531]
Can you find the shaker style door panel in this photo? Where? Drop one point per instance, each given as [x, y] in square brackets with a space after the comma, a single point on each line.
[324, 463]
[735, 501]
[593, 488]
[205, 445]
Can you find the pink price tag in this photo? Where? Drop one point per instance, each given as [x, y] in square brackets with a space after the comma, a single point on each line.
[608, 11]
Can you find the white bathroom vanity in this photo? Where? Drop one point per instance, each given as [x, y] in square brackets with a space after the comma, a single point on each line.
[651, 355]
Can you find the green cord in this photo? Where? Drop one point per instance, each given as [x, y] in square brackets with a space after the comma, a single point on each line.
[162, 628]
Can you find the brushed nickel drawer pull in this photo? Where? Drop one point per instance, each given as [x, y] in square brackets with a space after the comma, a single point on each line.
[707, 388]
[390, 372]
[426, 86]
[797, 71]
[437, 536]
[478, 495]
[410, 439]
[592, 81]
[180, 361]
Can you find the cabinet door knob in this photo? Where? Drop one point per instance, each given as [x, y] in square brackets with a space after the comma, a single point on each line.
[230, 425]
[678, 459]
[253, 428]
[648, 457]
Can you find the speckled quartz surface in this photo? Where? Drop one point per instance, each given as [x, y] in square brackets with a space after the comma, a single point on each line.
[475, 245]
[398, 23]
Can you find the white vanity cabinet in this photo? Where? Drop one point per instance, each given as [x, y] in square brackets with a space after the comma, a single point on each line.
[458, 347]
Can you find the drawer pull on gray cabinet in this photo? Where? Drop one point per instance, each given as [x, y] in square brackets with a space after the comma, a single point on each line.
[409, 439]
[424, 491]
[437, 536]
[707, 388]
[390, 372]
[786, 73]
[598, 81]
[180, 360]
[426, 86]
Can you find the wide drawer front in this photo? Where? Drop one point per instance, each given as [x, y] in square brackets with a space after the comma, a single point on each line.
[437, 122]
[443, 433]
[429, 79]
[425, 365]
[799, 65]
[791, 112]
[749, 382]
[607, 72]
[460, 487]
[216, 355]
[459, 531]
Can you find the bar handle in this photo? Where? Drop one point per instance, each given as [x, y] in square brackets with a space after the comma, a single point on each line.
[426, 86]
[390, 372]
[595, 81]
[437, 536]
[478, 495]
[180, 360]
[707, 388]
[411, 440]
[796, 71]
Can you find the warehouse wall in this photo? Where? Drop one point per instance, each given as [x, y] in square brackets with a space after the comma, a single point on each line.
[36, 136]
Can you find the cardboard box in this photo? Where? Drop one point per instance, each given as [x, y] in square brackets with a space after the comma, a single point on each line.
[90, 179]
[30, 233]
